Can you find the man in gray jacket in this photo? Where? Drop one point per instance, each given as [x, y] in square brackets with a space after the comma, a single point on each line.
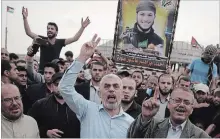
[176, 126]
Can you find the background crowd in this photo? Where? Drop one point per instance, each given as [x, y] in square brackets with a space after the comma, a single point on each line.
[57, 97]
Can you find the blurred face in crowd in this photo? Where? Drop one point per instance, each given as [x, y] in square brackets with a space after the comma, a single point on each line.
[69, 58]
[21, 64]
[56, 90]
[51, 31]
[22, 78]
[61, 68]
[185, 84]
[81, 75]
[145, 19]
[180, 105]
[137, 76]
[97, 72]
[4, 54]
[111, 91]
[152, 82]
[48, 73]
[113, 70]
[12, 107]
[165, 85]
[129, 90]
[200, 96]
[36, 66]
[13, 73]
[67, 64]
[14, 60]
[216, 98]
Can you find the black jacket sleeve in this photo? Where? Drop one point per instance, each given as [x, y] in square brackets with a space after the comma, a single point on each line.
[35, 112]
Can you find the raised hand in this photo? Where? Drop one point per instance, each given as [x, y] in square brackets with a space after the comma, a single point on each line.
[150, 106]
[88, 49]
[24, 12]
[85, 23]
[54, 133]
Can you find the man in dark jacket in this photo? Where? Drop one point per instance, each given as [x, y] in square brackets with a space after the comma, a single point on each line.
[54, 117]
[41, 90]
[90, 89]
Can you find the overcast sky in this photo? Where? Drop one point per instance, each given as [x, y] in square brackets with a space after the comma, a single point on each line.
[196, 18]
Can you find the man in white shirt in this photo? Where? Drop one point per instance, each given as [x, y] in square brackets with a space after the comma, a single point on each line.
[14, 123]
[176, 126]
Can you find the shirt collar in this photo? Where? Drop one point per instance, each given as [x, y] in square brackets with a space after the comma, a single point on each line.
[121, 112]
[168, 97]
[179, 126]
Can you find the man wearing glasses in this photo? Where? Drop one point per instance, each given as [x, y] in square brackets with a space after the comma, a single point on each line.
[14, 123]
[176, 126]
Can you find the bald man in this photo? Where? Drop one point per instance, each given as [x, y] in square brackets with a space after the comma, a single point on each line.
[4, 54]
[14, 123]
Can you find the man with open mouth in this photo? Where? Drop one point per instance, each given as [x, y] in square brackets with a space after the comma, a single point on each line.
[106, 120]
[176, 126]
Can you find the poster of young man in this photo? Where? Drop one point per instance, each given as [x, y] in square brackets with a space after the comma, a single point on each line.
[147, 29]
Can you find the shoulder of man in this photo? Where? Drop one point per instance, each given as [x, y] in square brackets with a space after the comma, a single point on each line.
[157, 38]
[29, 119]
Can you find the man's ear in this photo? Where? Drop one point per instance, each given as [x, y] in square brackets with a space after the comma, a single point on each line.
[6, 73]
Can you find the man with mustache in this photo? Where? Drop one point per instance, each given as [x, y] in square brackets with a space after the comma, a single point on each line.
[4, 54]
[176, 126]
[14, 123]
[106, 120]
[54, 117]
[48, 53]
[129, 92]
[203, 70]
[90, 89]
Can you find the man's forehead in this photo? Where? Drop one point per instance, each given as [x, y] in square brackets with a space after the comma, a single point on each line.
[179, 93]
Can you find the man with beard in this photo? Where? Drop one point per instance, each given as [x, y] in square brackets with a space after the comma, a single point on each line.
[81, 78]
[166, 84]
[54, 117]
[14, 124]
[176, 126]
[138, 76]
[203, 70]
[41, 90]
[127, 102]
[106, 120]
[9, 72]
[142, 35]
[48, 53]
[90, 89]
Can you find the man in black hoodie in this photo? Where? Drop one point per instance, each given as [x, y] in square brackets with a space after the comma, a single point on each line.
[143, 33]
[54, 117]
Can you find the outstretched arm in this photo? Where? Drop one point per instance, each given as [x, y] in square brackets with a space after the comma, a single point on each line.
[26, 25]
[76, 37]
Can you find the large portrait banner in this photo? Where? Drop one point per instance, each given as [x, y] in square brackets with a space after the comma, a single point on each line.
[145, 31]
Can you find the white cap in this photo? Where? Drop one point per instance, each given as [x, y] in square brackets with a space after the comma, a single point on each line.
[201, 87]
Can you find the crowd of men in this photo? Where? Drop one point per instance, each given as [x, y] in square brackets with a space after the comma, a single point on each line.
[86, 98]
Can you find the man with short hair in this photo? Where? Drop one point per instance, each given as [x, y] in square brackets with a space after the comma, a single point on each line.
[184, 82]
[127, 102]
[48, 53]
[69, 56]
[138, 76]
[21, 63]
[8, 72]
[55, 119]
[22, 84]
[176, 126]
[13, 57]
[91, 88]
[108, 119]
[4, 54]
[113, 70]
[14, 124]
[43, 89]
